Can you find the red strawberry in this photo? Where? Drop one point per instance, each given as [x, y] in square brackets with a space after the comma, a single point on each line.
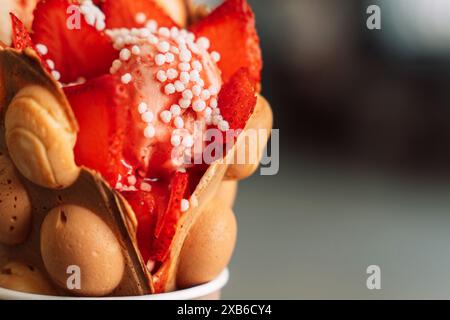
[237, 99]
[22, 39]
[101, 108]
[231, 31]
[166, 226]
[83, 52]
[122, 13]
[143, 204]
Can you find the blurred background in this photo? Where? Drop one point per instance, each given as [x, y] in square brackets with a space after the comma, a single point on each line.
[364, 119]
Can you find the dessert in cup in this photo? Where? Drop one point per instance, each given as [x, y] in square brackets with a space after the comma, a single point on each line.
[104, 108]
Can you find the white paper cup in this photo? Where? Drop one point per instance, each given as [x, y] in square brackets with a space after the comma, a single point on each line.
[207, 291]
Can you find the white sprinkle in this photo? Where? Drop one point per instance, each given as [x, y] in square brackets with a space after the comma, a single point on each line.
[175, 110]
[111, 33]
[184, 103]
[160, 59]
[169, 89]
[215, 56]
[213, 90]
[208, 112]
[142, 107]
[175, 50]
[117, 64]
[146, 188]
[149, 132]
[203, 43]
[129, 39]
[172, 74]
[134, 31]
[188, 141]
[223, 125]
[185, 55]
[170, 57]
[152, 39]
[200, 82]
[161, 76]
[174, 32]
[118, 44]
[125, 54]
[56, 75]
[194, 48]
[144, 33]
[163, 46]
[185, 77]
[205, 95]
[197, 65]
[199, 105]
[136, 50]
[181, 40]
[178, 122]
[182, 170]
[126, 78]
[196, 90]
[90, 18]
[175, 140]
[195, 75]
[131, 180]
[179, 86]
[119, 186]
[213, 103]
[190, 37]
[100, 25]
[184, 66]
[188, 95]
[148, 116]
[50, 64]
[42, 49]
[152, 25]
[140, 18]
[217, 119]
[164, 32]
[183, 33]
[166, 116]
[184, 205]
[132, 188]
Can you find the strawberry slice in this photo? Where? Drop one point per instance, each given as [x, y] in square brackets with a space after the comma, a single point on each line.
[22, 39]
[123, 13]
[78, 52]
[231, 31]
[143, 204]
[166, 225]
[237, 99]
[158, 213]
[101, 108]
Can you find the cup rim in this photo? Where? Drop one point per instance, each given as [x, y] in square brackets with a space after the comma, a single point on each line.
[186, 294]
